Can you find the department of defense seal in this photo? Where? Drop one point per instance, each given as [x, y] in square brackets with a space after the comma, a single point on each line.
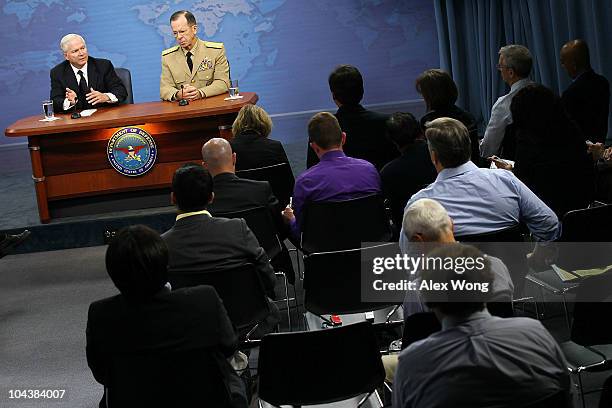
[131, 151]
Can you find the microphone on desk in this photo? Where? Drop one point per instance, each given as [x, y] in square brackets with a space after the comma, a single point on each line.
[183, 101]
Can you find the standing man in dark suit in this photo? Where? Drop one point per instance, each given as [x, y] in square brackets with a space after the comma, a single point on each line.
[587, 99]
[365, 129]
[148, 316]
[83, 82]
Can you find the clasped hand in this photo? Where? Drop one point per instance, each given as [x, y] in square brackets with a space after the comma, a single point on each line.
[189, 92]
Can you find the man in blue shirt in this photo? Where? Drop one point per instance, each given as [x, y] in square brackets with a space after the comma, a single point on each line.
[479, 200]
[336, 177]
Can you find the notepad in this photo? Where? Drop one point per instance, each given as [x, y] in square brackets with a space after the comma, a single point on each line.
[566, 276]
[87, 112]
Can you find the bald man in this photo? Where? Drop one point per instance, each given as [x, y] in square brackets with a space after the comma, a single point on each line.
[587, 99]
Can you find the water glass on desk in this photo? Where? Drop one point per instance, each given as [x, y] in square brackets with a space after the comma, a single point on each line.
[48, 109]
[233, 89]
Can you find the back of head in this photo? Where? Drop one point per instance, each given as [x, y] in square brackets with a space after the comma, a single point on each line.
[437, 88]
[192, 186]
[191, 20]
[136, 261]
[426, 219]
[252, 118]
[469, 268]
[450, 139]
[518, 58]
[346, 85]
[403, 129]
[576, 53]
[217, 156]
[325, 131]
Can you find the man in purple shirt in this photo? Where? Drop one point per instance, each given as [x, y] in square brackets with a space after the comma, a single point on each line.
[336, 177]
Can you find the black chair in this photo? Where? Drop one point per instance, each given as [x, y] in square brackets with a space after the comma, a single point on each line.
[561, 399]
[280, 177]
[590, 346]
[126, 77]
[332, 282]
[588, 225]
[339, 225]
[325, 366]
[165, 378]
[240, 289]
[514, 255]
[606, 394]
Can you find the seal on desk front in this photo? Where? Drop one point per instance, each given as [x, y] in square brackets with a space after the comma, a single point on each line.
[131, 151]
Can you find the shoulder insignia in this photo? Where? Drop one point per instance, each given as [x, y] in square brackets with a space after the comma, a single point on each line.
[211, 44]
[170, 50]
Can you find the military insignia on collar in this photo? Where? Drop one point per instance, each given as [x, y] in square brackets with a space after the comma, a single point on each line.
[206, 64]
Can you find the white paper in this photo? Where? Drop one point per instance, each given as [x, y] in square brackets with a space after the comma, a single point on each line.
[234, 98]
[50, 119]
[88, 112]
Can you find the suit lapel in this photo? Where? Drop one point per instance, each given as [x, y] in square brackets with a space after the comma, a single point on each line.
[198, 57]
[92, 74]
[70, 78]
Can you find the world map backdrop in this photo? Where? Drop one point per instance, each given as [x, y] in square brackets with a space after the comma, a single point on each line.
[281, 49]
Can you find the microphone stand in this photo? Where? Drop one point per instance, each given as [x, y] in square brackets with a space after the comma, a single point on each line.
[183, 101]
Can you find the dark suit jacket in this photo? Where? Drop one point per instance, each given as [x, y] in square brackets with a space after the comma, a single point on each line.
[201, 243]
[253, 151]
[181, 320]
[587, 102]
[406, 175]
[365, 136]
[101, 76]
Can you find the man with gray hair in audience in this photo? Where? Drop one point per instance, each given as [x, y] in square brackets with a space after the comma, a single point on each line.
[514, 66]
[81, 81]
[427, 225]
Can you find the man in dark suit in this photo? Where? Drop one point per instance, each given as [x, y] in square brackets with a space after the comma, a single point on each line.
[83, 82]
[410, 172]
[199, 242]
[148, 316]
[365, 129]
[587, 99]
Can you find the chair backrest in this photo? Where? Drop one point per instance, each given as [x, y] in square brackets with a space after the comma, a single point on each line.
[280, 177]
[588, 225]
[560, 399]
[325, 365]
[126, 77]
[240, 289]
[166, 378]
[606, 394]
[338, 225]
[512, 255]
[332, 281]
[260, 222]
[592, 311]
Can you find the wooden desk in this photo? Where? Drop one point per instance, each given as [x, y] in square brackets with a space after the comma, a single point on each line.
[69, 158]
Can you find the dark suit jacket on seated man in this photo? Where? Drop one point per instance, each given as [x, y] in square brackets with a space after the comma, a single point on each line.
[477, 360]
[587, 98]
[147, 315]
[83, 82]
[199, 242]
[365, 129]
[336, 177]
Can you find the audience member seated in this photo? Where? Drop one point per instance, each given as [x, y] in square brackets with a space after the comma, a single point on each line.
[514, 66]
[336, 177]
[476, 360]
[410, 172]
[8, 242]
[479, 200]
[199, 242]
[587, 98]
[236, 194]
[551, 156]
[251, 144]
[365, 129]
[427, 223]
[147, 315]
[440, 93]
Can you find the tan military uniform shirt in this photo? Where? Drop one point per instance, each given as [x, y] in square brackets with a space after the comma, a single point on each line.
[210, 70]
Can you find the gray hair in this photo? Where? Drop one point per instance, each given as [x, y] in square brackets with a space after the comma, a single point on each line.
[428, 218]
[450, 139]
[518, 58]
[67, 39]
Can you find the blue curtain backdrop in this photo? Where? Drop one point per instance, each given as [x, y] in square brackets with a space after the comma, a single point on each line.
[470, 33]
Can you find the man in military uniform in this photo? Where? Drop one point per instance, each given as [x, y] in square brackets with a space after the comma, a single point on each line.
[200, 67]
